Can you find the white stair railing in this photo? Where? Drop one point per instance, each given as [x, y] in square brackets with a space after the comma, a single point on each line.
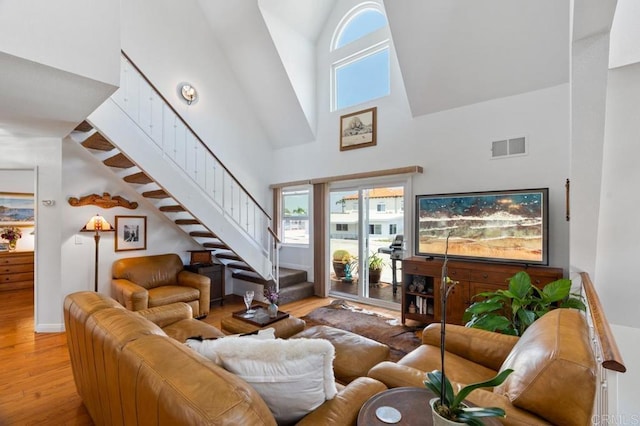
[181, 146]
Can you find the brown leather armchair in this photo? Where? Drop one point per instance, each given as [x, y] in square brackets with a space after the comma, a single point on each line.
[149, 281]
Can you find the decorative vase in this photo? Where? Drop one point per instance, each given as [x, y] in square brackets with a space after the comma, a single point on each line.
[12, 245]
[272, 309]
[438, 420]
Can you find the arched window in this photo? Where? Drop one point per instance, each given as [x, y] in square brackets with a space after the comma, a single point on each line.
[360, 57]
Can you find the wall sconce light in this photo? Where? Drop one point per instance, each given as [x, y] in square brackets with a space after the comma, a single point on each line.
[98, 224]
[188, 92]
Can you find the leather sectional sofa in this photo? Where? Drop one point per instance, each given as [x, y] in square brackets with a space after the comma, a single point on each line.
[129, 370]
[554, 378]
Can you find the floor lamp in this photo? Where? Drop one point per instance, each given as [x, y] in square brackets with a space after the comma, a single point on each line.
[97, 224]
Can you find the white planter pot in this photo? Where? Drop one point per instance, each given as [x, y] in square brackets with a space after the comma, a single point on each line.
[438, 420]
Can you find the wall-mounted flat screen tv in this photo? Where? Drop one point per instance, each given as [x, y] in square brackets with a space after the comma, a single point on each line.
[502, 226]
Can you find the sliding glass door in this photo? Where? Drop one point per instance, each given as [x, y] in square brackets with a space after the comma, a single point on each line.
[364, 221]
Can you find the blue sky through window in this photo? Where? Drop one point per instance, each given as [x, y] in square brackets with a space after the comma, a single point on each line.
[362, 80]
[360, 25]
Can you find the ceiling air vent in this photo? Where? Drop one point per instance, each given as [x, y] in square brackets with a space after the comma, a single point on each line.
[508, 148]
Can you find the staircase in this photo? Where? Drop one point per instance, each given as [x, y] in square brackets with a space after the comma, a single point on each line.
[143, 140]
[293, 283]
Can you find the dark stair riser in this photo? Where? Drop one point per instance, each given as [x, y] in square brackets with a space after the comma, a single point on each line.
[288, 277]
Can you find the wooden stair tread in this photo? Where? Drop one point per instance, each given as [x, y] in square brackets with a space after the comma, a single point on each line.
[217, 245]
[84, 126]
[157, 193]
[171, 209]
[239, 265]
[203, 234]
[120, 161]
[139, 177]
[187, 222]
[98, 142]
[229, 255]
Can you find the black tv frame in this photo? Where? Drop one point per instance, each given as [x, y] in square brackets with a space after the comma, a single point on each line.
[455, 206]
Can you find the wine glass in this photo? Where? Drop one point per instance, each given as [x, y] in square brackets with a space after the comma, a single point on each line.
[248, 298]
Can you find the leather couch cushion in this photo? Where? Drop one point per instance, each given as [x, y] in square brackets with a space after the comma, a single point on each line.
[169, 294]
[355, 354]
[427, 358]
[553, 354]
[149, 271]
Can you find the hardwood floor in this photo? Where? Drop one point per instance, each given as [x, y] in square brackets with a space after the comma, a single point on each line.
[36, 381]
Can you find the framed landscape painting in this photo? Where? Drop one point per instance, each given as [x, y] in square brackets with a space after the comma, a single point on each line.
[16, 209]
[358, 129]
[131, 233]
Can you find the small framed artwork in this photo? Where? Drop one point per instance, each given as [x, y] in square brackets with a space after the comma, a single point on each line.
[131, 233]
[17, 209]
[4, 246]
[358, 129]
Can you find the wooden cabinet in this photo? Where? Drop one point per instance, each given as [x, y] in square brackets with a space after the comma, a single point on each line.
[215, 272]
[16, 270]
[472, 277]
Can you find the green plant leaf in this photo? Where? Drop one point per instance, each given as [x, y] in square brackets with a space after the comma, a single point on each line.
[465, 391]
[486, 306]
[573, 303]
[493, 322]
[434, 383]
[520, 285]
[474, 412]
[557, 290]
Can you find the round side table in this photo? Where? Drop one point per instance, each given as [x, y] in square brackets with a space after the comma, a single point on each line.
[413, 404]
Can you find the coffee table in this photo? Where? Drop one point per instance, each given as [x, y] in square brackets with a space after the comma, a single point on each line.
[260, 317]
[413, 404]
[285, 325]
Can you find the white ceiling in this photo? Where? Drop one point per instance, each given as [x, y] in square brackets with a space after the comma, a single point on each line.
[456, 53]
[38, 100]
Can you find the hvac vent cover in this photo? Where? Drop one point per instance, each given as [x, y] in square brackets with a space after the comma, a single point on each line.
[508, 148]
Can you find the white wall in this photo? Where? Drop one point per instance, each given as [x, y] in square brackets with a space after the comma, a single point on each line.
[453, 146]
[618, 232]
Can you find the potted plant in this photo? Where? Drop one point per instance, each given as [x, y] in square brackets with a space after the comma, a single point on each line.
[513, 310]
[272, 295]
[12, 234]
[448, 408]
[376, 263]
[340, 258]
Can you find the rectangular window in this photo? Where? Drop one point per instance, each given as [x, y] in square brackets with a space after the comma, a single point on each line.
[295, 216]
[393, 229]
[342, 227]
[375, 229]
[362, 80]
[381, 208]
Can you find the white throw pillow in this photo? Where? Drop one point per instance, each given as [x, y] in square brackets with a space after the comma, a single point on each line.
[293, 377]
[207, 347]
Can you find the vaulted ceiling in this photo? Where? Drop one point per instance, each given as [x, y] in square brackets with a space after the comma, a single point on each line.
[451, 53]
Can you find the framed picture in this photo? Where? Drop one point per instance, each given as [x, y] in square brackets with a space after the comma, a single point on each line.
[358, 129]
[16, 209]
[4, 246]
[131, 233]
